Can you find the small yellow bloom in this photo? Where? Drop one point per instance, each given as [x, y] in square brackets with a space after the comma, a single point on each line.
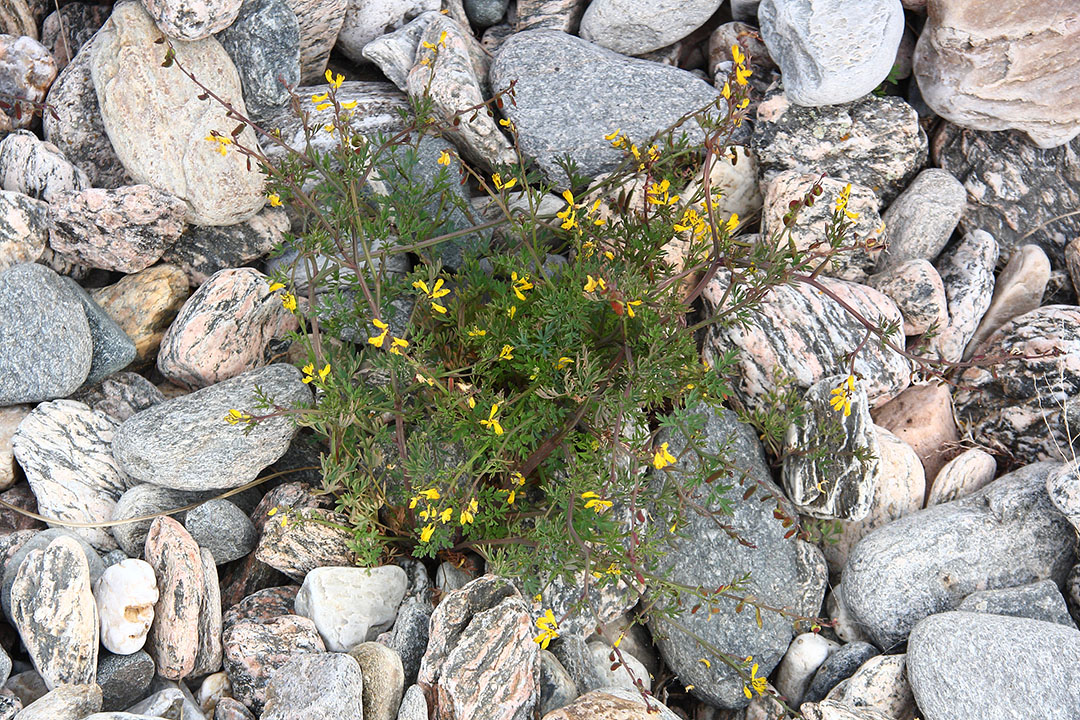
[592, 284]
[705, 662]
[378, 340]
[492, 422]
[563, 362]
[520, 285]
[663, 458]
[507, 352]
[222, 142]
[468, 513]
[446, 515]
[737, 54]
[549, 627]
[841, 396]
[275, 199]
[235, 416]
[594, 503]
[477, 332]
[613, 135]
[316, 99]
[288, 301]
[726, 92]
[324, 106]
[496, 178]
[348, 105]
[759, 684]
[430, 494]
[842, 203]
[630, 305]
[444, 158]
[512, 311]
[276, 286]
[517, 478]
[398, 345]
[511, 497]
[335, 81]
[427, 532]
[309, 373]
[733, 222]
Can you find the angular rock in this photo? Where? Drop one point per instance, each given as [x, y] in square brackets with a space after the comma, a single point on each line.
[922, 417]
[202, 251]
[841, 664]
[185, 444]
[112, 349]
[570, 93]
[295, 548]
[125, 595]
[262, 605]
[121, 395]
[320, 23]
[1019, 289]
[395, 52]
[384, 680]
[827, 54]
[36, 168]
[1006, 534]
[64, 448]
[613, 704]
[366, 20]
[66, 30]
[409, 636]
[66, 702]
[45, 343]
[351, 605]
[124, 678]
[880, 684]
[962, 476]
[144, 305]
[1038, 601]
[954, 655]
[223, 529]
[635, 28]
[985, 66]
[208, 659]
[192, 19]
[173, 641]
[326, 685]
[164, 143]
[917, 289]
[255, 649]
[26, 73]
[24, 228]
[922, 219]
[141, 500]
[53, 609]
[264, 44]
[874, 142]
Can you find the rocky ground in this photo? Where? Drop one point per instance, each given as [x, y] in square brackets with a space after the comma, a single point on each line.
[135, 312]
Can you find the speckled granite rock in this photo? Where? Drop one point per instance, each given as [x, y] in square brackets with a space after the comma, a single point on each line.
[36, 168]
[124, 678]
[837, 667]
[881, 684]
[146, 499]
[173, 641]
[1019, 289]
[66, 30]
[24, 228]
[922, 219]
[1063, 486]
[120, 395]
[112, 349]
[208, 658]
[613, 704]
[917, 289]
[395, 52]
[967, 272]
[223, 529]
[262, 605]
[25, 74]
[192, 19]
[635, 28]
[1037, 601]
[231, 709]
[255, 649]
[21, 543]
[144, 305]
[326, 685]
[202, 251]
[296, 548]
[264, 44]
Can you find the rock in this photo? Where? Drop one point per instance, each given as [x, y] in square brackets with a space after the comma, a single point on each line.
[26, 687]
[922, 219]
[798, 316]
[1038, 601]
[384, 680]
[813, 222]
[922, 417]
[223, 529]
[230, 709]
[832, 710]
[262, 605]
[826, 54]
[64, 448]
[1006, 534]
[67, 29]
[24, 228]
[485, 13]
[144, 305]
[124, 678]
[351, 605]
[120, 395]
[126, 229]
[202, 251]
[45, 343]
[874, 142]
[841, 664]
[320, 23]
[164, 143]
[17, 18]
[952, 654]
[985, 67]
[264, 44]
[24, 542]
[120, 716]
[208, 659]
[634, 28]
[917, 289]
[53, 610]
[185, 444]
[165, 701]
[962, 476]
[112, 349]
[557, 688]
[1019, 289]
[967, 272]
[570, 93]
[880, 684]
[395, 52]
[561, 15]
[75, 126]
[807, 652]
[191, 20]
[782, 573]
[627, 671]
[1010, 410]
[297, 545]
[213, 690]
[1063, 487]
[65, 702]
[613, 704]
[414, 705]
[35, 168]
[146, 499]
[10, 417]
[573, 654]
[327, 685]
[607, 602]
[255, 649]
[366, 20]
[409, 636]
[26, 72]
[481, 661]
[173, 641]
[125, 595]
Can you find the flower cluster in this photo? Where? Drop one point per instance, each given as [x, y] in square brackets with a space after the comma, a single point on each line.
[396, 345]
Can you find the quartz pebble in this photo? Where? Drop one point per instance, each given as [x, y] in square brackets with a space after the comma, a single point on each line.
[350, 606]
[125, 595]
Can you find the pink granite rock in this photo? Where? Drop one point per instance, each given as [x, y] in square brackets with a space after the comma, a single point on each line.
[173, 641]
[255, 649]
[208, 659]
[922, 417]
[69, 28]
[917, 290]
[262, 605]
[10, 417]
[26, 72]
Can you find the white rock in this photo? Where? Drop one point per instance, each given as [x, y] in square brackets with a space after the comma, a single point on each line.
[802, 659]
[213, 689]
[602, 655]
[635, 27]
[846, 627]
[366, 20]
[125, 595]
[351, 605]
[962, 476]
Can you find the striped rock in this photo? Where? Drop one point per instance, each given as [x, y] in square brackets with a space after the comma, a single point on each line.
[223, 329]
[803, 335]
[255, 649]
[326, 685]
[918, 291]
[613, 704]
[366, 20]
[208, 658]
[481, 662]
[967, 272]
[395, 53]
[1019, 407]
[204, 250]
[24, 228]
[36, 168]
[562, 15]
[962, 476]
[65, 450]
[121, 395]
[66, 30]
[320, 22]
[173, 641]
[144, 304]
[296, 548]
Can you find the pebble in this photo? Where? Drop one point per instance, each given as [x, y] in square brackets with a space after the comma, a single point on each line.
[264, 44]
[256, 649]
[384, 680]
[928, 561]
[327, 685]
[414, 705]
[875, 141]
[120, 395]
[570, 94]
[409, 635]
[173, 641]
[32, 167]
[917, 289]
[807, 653]
[1039, 601]
[140, 100]
[24, 224]
[628, 671]
[962, 476]
[953, 657]
[222, 528]
[264, 604]
[144, 304]
[112, 349]
[53, 610]
[184, 443]
[125, 595]
[28, 540]
[635, 28]
[64, 448]
[201, 251]
[1019, 289]
[557, 688]
[230, 709]
[832, 710]
[485, 13]
[65, 702]
[967, 272]
[351, 605]
[827, 54]
[45, 342]
[212, 690]
[922, 218]
[841, 664]
[26, 74]
[209, 658]
[16, 18]
[66, 30]
[879, 684]
[922, 416]
[613, 704]
[124, 679]
[190, 20]
[295, 548]
[25, 686]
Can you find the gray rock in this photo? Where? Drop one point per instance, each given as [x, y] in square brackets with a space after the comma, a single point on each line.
[615, 702]
[222, 528]
[256, 648]
[188, 21]
[413, 705]
[1004, 535]
[65, 702]
[9, 707]
[64, 448]
[185, 443]
[832, 710]
[395, 52]
[146, 499]
[112, 350]
[557, 688]
[628, 671]
[53, 609]
[208, 658]
[917, 289]
[573, 654]
[704, 555]
[320, 22]
[954, 657]
[351, 605]
[963, 475]
[124, 678]
[881, 684]
[449, 577]
[119, 716]
[827, 54]
[24, 228]
[120, 395]
[366, 20]
[1038, 601]
[322, 685]
[876, 142]
[1019, 289]
[409, 636]
[35, 168]
[264, 44]
[40, 541]
[45, 342]
[967, 272]
[169, 700]
[571, 93]
[839, 666]
[204, 250]
[635, 28]
[384, 680]
[5, 665]
[485, 13]
[1063, 487]
[922, 219]
[1072, 262]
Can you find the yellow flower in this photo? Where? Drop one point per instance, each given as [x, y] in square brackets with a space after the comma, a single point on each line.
[841, 396]
[520, 285]
[378, 340]
[348, 105]
[288, 301]
[500, 185]
[309, 373]
[492, 422]
[705, 662]
[568, 214]
[630, 305]
[742, 73]
[430, 494]
[272, 512]
[437, 291]
[726, 92]
[427, 532]
[511, 497]
[733, 222]
[316, 99]
[235, 416]
[275, 199]
[477, 332]
[592, 284]
[446, 515]
[549, 627]
[658, 194]
[398, 345]
[507, 352]
[613, 135]
[842, 203]
[425, 380]
[517, 478]
[663, 458]
[444, 158]
[563, 362]
[276, 286]
[594, 503]
[335, 81]
[512, 311]
[468, 513]
[508, 125]
[759, 684]
[737, 54]
[324, 106]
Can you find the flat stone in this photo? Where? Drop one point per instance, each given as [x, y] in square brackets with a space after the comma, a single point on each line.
[112, 349]
[1006, 534]
[384, 680]
[36, 168]
[255, 649]
[222, 528]
[635, 28]
[65, 702]
[841, 664]
[163, 143]
[124, 678]
[295, 547]
[64, 448]
[202, 251]
[326, 685]
[613, 704]
[570, 93]
[922, 218]
[24, 228]
[922, 417]
[1019, 289]
[828, 55]
[22, 543]
[66, 30]
[953, 656]
[120, 395]
[874, 142]
[185, 444]
[917, 289]
[982, 66]
[26, 73]
[320, 23]
[144, 304]
[208, 659]
[192, 19]
[45, 342]
[962, 476]
[173, 641]
[125, 595]
[53, 609]
[1038, 601]
[351, 605]
[264, 44]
